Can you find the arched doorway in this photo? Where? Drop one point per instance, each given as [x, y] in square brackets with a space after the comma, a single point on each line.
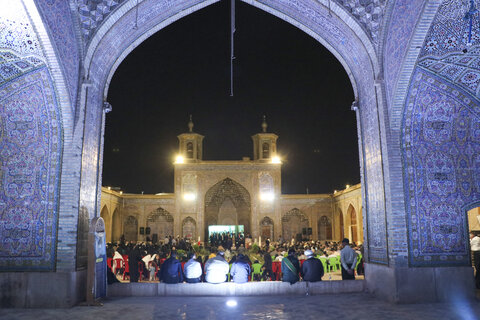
[294, 223]
[116, 225]
[189, 228]
[228, 203]
[324, 228]
[160, 222]
[266, 228]
[130, 228]
[352, 230]
[108, 223]
[474, 219]
[342, 224]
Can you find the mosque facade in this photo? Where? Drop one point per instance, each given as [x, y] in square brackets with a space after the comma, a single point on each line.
[246, 192]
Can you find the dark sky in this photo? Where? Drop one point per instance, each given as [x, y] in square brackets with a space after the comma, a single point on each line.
[184, 69]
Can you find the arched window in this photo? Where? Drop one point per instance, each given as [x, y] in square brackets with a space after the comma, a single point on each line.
[190, 150]
[265, 151]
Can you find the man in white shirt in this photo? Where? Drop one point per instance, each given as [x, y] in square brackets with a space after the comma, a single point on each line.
[216, 269]
[192, 269]
[475, 247]
[348, 258]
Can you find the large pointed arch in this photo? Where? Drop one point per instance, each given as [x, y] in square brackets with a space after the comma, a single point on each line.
[330, 25]
[160, 222]
[294, 223]
[232, 193]
[105, 214]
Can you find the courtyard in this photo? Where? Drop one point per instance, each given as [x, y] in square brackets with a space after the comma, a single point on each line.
[345, 306]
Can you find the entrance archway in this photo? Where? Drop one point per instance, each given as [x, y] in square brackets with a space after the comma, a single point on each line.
[227, 202]
[160, 222]
[189, 228]
[329, 25]
[266, 228]
[130, 229]
[294, 222]
[108, 223]
[117, 225]
[474, 219]
[351, 231]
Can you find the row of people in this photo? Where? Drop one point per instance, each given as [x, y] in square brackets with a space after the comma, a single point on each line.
[217, 269]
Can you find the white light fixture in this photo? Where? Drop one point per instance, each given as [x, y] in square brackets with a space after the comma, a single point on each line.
[267, 196]
[347, 186]
[231, 303]
[276, 159]
[179, 159]
[189, 196]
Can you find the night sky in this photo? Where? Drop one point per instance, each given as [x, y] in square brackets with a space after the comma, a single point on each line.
[280, 72]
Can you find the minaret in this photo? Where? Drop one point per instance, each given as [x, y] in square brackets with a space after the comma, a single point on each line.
[190, 144]
[264, 144]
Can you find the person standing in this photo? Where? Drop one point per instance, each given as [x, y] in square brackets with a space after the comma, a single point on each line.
[290, 267]
[348, 258]
[134, 257]
[475, 247]
[312, 268]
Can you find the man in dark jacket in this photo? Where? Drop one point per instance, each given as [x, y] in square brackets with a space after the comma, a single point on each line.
[171, 271]
[290, 267]
[240, 269]
[312, 268]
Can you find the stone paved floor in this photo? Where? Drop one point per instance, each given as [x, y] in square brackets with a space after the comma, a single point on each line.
[344, 306]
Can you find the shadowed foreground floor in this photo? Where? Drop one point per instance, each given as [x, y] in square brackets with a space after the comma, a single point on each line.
[344, 306]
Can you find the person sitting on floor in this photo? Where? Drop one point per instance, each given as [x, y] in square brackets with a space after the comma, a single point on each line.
[240, 270]
[171, 271]
[216, 269]
[312, 268]
[192, 269]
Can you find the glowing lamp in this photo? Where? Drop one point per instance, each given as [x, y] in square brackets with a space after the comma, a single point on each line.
[276, 159]
[347, 186]
[189, 196]
[231, 303]
[179, 159]
[267, 196]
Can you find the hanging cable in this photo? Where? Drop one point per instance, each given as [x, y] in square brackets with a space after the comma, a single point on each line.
[136, 17]
[232, 35]
[469, 18]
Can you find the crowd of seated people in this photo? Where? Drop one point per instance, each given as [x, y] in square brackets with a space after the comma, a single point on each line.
[282, 261]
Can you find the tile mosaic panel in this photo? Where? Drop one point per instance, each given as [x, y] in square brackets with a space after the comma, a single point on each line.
[441, 152]
[30, 153]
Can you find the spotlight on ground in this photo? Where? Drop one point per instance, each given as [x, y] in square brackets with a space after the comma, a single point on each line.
[231, 303]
